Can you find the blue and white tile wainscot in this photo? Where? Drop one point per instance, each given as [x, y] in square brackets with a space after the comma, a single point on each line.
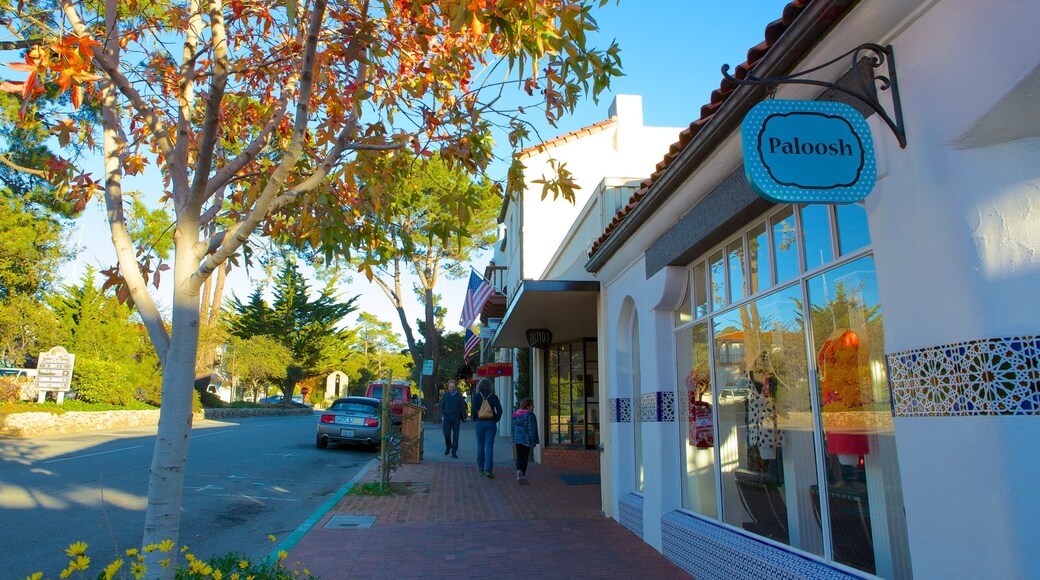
[709, 551]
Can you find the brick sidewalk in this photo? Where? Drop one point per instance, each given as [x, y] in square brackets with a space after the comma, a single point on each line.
[468, 526]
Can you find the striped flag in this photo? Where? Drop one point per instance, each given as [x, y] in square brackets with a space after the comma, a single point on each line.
[471, 344]
[477, 293]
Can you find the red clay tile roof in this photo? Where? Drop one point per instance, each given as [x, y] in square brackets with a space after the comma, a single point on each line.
[773, 32]
[572, 136]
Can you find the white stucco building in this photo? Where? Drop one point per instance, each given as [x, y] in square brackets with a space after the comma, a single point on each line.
[539, 266]
[811, 390]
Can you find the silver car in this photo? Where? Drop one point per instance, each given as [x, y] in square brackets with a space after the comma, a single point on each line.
[350, 420]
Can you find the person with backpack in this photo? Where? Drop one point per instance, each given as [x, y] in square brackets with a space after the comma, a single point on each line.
[486, 412]
[525, 437]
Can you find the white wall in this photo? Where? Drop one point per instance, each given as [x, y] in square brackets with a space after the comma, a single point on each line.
[955, 221]
[651, 302]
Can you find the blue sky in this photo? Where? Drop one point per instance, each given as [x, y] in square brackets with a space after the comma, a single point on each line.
[671, 51]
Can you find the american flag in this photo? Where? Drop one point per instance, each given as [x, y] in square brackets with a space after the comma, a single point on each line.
[477, 293]
[472, 342]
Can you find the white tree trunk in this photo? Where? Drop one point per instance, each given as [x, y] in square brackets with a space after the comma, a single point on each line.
[166, 479]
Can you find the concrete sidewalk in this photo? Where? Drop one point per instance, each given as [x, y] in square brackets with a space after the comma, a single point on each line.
[457, 523]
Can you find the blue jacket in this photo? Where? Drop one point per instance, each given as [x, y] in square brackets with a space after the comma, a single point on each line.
[453, 407]
[525, 428]
[496, 406]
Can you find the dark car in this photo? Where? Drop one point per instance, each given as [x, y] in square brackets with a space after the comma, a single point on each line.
[350, 420]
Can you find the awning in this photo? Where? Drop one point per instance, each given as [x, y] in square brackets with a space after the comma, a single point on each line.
[566, 307]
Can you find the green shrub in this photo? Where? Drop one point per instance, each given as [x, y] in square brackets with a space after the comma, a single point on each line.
[210, 400]
[102, 381]
[245, 405]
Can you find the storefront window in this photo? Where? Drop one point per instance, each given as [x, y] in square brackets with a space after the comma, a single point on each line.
[769, 395]
[573, 409]
[758, 259]
[765, 421]
[735, 259]
[853, 233]
[785, 245]
[698, 281]
[817, 235]
[717, 281]
[696, 421]
[863, 491]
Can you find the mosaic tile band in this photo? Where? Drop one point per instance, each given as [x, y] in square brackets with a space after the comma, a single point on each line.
[657, 407]
[996, 376]
[621, 410]
[709, 551]
[630, 513]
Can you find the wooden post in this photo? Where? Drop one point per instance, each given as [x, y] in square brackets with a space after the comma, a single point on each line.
[384, 429]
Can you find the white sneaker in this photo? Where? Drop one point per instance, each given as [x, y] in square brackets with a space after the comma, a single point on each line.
[519, 476]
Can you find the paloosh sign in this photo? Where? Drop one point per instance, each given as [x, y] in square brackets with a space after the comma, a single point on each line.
[808, 151]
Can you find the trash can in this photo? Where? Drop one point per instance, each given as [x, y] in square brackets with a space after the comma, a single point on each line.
[411, 433]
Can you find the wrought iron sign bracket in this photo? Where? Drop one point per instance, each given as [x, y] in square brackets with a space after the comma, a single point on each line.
[875, 56]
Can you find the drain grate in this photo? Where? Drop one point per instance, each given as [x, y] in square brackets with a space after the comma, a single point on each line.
[350, 522]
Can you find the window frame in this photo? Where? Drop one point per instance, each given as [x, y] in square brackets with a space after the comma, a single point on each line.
[801, 279]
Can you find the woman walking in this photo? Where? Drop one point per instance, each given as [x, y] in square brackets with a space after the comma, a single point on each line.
[486, 412]
[525, 437]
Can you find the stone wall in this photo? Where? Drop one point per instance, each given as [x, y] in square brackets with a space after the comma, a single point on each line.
[43, 424]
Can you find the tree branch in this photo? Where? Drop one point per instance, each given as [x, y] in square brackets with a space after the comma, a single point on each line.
[121, 240]
[116, 76]
[263, 206]
[210, 123]
[37, 172]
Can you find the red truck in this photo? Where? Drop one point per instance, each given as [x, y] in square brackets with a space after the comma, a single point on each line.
[400, 393]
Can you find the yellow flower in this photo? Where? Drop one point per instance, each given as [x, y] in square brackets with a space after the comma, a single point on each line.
[36, 576]
[111, 569]
[282, 554]
[217, 575]
[166, 546]
[184, 549]
[75, 549]
[199, 567]
[243, 564]
[66, 573]
[138, 569]
[81, 563]
[131, 552]
[165, 563]
[306, 571]
[235, 576]
[150, 548]
[271, 537]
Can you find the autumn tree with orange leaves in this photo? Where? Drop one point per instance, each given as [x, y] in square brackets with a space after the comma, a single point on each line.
[269, 118]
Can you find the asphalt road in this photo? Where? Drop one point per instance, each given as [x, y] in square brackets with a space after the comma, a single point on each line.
[245, 479]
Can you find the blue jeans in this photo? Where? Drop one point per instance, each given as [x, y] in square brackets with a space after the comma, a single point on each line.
[486, 431]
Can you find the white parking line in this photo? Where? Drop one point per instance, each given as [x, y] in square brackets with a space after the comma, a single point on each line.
[208, 434]
[256, 497]
[92, 454]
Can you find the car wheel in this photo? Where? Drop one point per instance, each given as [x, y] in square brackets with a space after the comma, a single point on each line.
[322, 442]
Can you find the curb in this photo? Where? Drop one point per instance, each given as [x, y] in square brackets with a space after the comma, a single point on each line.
[293, 538]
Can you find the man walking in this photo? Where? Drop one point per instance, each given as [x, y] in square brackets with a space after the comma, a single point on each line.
[453, 413]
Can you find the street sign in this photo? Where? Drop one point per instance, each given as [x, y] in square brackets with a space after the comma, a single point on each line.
[808, 152]
[427, 367]
[55, 370]
[304, 391]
